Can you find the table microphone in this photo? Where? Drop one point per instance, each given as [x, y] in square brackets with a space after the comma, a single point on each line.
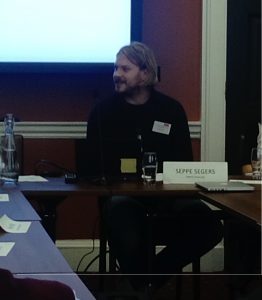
[102, 180]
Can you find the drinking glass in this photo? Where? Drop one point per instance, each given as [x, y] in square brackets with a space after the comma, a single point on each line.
[149, 167]
[256, 159]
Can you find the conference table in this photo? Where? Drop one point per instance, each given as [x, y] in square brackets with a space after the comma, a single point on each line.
[52, 192]
[46, 262]
[36, 245]
[242, 216]
[18, 207]
[34, 255]
[33, 252]
[244, 205]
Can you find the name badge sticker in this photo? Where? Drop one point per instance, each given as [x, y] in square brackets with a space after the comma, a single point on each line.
[161, 127]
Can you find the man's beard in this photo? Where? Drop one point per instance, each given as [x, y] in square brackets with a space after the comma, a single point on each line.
[128, 91]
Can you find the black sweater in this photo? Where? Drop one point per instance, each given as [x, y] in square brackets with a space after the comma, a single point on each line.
[117, 129]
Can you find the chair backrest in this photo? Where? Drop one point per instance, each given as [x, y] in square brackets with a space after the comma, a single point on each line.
[80, 157]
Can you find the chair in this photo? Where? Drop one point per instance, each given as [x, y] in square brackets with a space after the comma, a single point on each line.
[80, 157]
[153, 243]
[80, 148]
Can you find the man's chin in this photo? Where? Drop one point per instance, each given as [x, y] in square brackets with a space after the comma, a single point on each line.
[120, 90]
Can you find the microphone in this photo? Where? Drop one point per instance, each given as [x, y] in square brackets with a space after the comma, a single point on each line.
[140, 151]
[140, 143]
[93, 159]
[102, 180]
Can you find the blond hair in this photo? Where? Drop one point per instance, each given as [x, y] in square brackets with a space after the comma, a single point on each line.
[142, 56]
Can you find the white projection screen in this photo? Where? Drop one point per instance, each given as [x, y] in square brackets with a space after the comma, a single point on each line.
[66, 31]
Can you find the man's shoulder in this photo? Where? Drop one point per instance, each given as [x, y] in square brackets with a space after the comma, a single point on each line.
[163, 99]
[110, 101]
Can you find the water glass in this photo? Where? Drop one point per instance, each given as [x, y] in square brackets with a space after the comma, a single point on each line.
[149, 167]
[256, 159]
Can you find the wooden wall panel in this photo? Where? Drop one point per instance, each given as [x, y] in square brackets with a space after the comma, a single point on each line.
[52, 97]
[173, 29]
[78, 218]
[59, 151]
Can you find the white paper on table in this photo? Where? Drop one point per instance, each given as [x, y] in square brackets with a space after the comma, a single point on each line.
[4, 197]
[6, 247]
[11, 226]
[31, 178]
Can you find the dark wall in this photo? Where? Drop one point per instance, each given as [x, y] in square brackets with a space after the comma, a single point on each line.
[52, 97]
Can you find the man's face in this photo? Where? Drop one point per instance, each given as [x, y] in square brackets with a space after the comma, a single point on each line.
[127, 76]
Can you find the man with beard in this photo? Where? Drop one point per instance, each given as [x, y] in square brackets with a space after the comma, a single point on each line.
[137, 119]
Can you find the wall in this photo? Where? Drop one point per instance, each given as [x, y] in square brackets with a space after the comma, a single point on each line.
[51, 97]
[173, 29]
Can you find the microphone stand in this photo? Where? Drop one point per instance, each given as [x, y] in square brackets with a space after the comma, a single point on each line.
[102, 179]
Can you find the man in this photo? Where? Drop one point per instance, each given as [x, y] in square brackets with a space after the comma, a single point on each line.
[137, 118]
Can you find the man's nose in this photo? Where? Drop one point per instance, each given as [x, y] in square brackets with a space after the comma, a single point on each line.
[117, 73]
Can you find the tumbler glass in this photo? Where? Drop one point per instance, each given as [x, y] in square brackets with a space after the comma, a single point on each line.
[149, 167]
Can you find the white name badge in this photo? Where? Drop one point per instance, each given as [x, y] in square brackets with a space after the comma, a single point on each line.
[191, 172]
[161, 127]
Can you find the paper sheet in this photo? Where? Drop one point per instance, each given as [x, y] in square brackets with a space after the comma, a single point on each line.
[128, 165]
[5, 248]
[4, 198]
[11, 226]
[31, 178]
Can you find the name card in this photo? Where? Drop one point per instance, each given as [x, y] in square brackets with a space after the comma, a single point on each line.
[6, 247]
[4, 197]
[9, 225]
[191, 172]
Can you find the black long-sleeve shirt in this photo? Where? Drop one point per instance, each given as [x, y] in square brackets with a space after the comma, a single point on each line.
[117, 129]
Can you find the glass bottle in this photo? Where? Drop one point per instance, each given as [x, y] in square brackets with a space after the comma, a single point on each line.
[9, 164]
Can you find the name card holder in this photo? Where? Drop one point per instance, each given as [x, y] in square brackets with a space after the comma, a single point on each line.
[191, 172]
